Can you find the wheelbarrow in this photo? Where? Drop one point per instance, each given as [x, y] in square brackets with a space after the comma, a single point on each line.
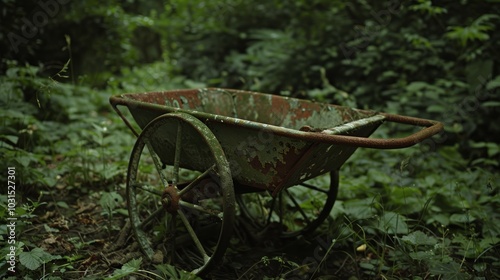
[204, 156]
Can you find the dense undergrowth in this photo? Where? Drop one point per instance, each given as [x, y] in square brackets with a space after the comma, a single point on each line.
[415, 212]
[426, 212]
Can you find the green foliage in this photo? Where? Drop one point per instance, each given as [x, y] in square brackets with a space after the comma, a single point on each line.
[128, 268]
[419, 216]
[33, 137]
[476, 31]
[120, 36]
[428, 211]
[36, 258]
[167, 271]
[109, 202]
[426, 7]
[371, 52]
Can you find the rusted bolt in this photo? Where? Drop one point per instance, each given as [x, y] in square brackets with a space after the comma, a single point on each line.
[170, 199]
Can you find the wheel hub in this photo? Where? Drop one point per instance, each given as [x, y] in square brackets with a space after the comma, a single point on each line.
[170, 199]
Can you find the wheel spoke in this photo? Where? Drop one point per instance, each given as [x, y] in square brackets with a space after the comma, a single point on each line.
[156, 162]
[280, 205]
[314, 188]
[294, 201]
[289, 207]
[153, 215]
[177, 156]
[171, 235]
[197, 207]
[262, 207]
[195, 182]
[146, 188]
[271, 209]
[193, 235]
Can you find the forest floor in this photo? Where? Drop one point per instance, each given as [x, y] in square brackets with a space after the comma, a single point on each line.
[93, 245]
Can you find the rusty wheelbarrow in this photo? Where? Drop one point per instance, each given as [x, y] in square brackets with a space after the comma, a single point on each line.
[204, 156]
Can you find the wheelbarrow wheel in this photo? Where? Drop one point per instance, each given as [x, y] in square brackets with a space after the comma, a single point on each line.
[180, 194]
[297, 210]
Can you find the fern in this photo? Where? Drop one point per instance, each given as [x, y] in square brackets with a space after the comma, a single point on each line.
[476, 31]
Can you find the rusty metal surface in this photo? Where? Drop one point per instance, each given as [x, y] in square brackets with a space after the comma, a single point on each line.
[241, 108]
[273, 142]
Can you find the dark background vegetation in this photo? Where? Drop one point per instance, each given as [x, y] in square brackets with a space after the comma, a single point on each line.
[430, 59]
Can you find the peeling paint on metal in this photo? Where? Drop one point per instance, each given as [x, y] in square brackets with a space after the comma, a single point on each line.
[246, 123]
[350, 126]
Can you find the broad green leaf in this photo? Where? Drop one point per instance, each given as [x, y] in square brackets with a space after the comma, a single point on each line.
[25, 160]
[491, 104]
[393, 223]
[30, 260]
[10, 138]
[477, 144]
[489, 242]
[109, 200]
[127, 269]
[379, 176]
[419, 238]
[49, 181]
[171, 272]
[409, 199]
[442, 219]
[449, 271]
[494, 83]
[430, 180]
[480, 267]
[359, 209]
[416, 86]
[435, 108]
[35, 258]
[461, 218]
[422, 255]
[63, 204]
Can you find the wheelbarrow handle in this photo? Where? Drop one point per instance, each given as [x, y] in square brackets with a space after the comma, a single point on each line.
[431, 128]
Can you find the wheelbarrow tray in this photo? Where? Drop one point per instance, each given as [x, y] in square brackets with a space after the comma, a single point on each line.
[271, 142]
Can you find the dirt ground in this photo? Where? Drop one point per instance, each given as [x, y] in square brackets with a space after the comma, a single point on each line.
[93, 245]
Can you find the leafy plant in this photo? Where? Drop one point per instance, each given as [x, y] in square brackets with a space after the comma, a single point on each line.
[170, 272]
[35, 258]
[131, 267]
[477, 30]
[423, 212]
